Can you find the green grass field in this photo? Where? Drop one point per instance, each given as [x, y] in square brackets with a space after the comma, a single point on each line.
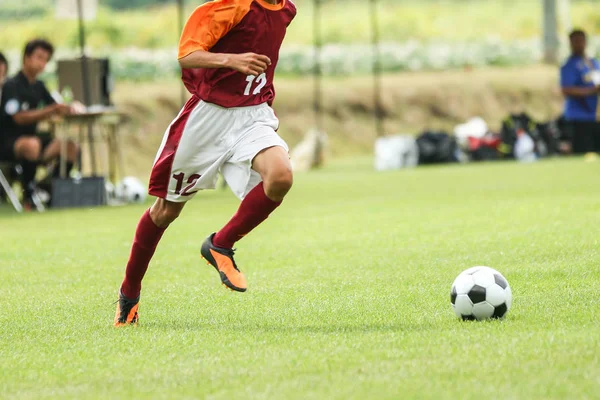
[348, 296]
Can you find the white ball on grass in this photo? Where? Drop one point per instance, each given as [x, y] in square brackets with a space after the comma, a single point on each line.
[480, 293]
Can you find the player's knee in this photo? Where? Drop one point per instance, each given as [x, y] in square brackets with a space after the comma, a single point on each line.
[279, 183]
[29, 148]
[168, 215]
[164, 213]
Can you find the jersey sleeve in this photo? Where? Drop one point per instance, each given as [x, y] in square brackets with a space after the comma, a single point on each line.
[209, 23]
[11, 101]
[568, 75]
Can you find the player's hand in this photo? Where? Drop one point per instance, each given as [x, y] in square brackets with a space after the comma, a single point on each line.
[62, 109]
[250, 63]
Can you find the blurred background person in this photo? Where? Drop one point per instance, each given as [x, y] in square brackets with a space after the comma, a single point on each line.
[25, 102]
[3, 71]
[580, 83]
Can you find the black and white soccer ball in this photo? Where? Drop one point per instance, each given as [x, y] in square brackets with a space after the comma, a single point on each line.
[130, 190]
[480, 293]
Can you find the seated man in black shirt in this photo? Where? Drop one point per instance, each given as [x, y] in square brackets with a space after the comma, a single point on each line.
[25, 102]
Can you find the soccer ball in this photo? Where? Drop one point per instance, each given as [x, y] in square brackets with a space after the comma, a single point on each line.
[130, 190]
[480, 293]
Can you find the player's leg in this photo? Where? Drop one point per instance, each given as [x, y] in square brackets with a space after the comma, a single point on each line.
[150, 230]
[260, 173]
[583, 141]
[51, 152]
[274, 167]
[186, 162]
[597, 137]
[27, 150]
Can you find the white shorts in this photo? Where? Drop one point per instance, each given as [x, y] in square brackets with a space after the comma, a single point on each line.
[205, 140]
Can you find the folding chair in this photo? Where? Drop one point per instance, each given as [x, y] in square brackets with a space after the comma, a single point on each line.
[5, 184]
[7, 188]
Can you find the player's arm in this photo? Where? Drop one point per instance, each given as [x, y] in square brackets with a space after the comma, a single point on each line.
[33, 116]
[12, 106]
[568, 82]
[574, 91]
[207, 25]
[247, 64]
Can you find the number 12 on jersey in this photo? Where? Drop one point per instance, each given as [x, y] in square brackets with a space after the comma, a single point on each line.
[260, 81]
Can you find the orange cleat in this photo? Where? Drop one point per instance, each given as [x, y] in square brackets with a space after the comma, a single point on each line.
[222, 260]
[127, 311]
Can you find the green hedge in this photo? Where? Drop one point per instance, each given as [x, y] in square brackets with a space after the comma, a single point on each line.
[343, 60]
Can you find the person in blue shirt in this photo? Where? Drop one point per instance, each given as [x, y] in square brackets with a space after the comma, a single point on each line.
[580, 83]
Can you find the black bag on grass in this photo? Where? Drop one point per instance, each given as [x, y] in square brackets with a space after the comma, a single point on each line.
[436, 148]
[546, 136]
[511, 126]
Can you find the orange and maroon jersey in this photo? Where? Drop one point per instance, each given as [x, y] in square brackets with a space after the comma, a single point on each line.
[235, 26]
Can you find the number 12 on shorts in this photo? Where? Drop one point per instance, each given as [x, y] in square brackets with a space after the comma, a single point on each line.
[260, 81]
[180, 178]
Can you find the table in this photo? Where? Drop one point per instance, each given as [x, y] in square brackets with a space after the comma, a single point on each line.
[102, 122]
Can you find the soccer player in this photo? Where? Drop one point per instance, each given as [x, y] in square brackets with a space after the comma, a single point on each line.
[228, 53]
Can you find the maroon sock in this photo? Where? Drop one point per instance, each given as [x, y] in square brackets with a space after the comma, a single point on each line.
[255, 208]
[147, 236]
